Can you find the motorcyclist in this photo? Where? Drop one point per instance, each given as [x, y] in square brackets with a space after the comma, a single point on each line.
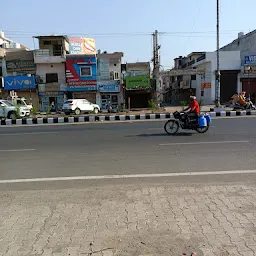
[193, 110]
[246, 104]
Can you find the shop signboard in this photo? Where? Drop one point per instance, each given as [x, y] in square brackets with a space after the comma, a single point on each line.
[19, 83]
[250, 60]
[137, 82]
[108, 86]
[51, 94]
[206, 85]
[81, 74]
[183, 72]
[81, 45]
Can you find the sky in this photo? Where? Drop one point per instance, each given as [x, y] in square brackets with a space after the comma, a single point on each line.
[184, 26]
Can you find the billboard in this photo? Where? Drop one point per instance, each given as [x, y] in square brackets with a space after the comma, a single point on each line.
[81, 45]
[19, 83]
[137, 82]
[81, 74]
[109, 86]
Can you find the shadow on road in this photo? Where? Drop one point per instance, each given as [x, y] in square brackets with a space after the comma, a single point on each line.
[180, 134]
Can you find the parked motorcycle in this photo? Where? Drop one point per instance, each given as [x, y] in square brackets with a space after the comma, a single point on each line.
[182, 120]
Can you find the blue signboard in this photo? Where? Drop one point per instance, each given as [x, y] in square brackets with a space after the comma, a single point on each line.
[19, 83]
[108, 86]
[249, 60]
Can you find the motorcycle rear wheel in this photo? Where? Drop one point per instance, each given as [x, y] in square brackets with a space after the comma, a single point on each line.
[203, 129]
[171, 127]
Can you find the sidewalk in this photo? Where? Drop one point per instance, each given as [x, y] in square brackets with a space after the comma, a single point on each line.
[130, 220]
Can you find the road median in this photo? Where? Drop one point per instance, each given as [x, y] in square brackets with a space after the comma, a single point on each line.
[113, 118]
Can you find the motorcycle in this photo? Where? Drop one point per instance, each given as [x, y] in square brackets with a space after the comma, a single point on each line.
[249, 106]
[182, 120]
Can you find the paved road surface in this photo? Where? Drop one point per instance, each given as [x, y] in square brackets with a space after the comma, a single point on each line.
[125, 148]
[210, 214]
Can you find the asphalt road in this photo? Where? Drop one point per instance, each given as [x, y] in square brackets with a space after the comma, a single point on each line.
[125, 148]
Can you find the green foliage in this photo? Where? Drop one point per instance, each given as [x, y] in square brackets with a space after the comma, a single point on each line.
[201, 103]
[34, 111]
[152, 105]
[17, 113]
[183, 103]
[48, 111]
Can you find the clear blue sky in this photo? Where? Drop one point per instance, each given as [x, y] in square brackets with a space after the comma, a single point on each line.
[136, 19]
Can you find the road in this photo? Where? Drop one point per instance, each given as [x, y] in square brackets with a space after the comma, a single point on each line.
[125, 148]
[121, 189]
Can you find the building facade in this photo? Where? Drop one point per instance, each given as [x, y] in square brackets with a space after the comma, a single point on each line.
[109, 83]
[138, 87]
[50, 61]
[246, 44]
[195, 74]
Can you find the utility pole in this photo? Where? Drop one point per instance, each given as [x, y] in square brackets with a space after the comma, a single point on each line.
[217, 89]
[156, 69]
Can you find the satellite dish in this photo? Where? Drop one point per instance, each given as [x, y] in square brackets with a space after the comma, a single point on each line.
[1, 41]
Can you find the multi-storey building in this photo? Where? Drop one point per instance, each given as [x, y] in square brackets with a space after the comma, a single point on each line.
[50, 61]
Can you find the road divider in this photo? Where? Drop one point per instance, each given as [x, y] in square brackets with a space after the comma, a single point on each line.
[100, 118]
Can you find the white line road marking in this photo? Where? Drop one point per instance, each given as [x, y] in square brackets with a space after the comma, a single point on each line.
[26, 133]
[204, 142]
[17, 150]
[157, 175]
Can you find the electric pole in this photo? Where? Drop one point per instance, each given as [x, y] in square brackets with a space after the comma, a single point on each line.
[156, 63]
[217, 89]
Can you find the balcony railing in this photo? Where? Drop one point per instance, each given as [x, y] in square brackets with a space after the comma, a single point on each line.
[46, 56]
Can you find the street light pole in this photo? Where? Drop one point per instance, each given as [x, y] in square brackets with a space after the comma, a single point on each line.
[217, 93]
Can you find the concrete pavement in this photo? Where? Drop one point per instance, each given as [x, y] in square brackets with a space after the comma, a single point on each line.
[211, 214]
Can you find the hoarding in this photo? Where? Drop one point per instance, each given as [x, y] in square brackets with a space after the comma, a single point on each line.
[81, 74]
[81, 45]
[137, 82]
[19, 83]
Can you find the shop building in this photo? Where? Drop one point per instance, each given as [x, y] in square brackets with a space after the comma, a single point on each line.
[138, 88]
[196, 75]
[246, 44]
[110, 91]
[20, 73]
[50, 61]
[81, 76]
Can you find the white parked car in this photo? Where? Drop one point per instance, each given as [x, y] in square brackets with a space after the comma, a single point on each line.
[8, 110]
[79, 106]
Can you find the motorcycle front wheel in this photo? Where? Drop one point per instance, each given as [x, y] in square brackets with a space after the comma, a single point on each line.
[171, 127]
[203, 129]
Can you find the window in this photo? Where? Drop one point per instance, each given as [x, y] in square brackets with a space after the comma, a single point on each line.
[52, 78]
[47, 42]
[116, 75]
[85, 71]
[193, 77]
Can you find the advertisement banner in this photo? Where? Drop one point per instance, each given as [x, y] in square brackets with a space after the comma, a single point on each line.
[108, 86]
[81, 45]
[137, 82]
[81, 74]
[19, 83]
